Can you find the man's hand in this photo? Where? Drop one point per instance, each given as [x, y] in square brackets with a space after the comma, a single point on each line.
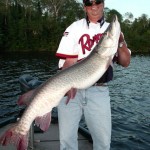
[123, 52]
[71, 94]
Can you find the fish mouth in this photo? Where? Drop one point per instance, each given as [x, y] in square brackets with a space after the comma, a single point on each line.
[113, 26]
[115, 18]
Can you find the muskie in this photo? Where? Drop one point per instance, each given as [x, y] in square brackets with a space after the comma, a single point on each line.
[79, 76]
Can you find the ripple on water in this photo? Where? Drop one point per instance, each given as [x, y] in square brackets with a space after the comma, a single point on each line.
[129, 91]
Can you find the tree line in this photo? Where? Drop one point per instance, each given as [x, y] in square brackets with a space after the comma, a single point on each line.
[38, 25]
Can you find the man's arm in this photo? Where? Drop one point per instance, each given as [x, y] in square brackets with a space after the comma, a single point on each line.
[72, 92]
[69, 62]
[123, 53]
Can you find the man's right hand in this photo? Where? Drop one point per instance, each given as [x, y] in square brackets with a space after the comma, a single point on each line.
[71, 94]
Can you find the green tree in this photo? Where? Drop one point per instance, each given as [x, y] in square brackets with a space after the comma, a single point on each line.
[110, 13]
[39, 24]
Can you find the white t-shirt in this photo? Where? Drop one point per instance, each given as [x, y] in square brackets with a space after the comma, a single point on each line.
[79, 40]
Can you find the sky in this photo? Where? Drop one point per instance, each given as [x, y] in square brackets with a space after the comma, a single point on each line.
[136, 7]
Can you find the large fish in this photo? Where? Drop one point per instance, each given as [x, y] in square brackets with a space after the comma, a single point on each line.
[48, 95]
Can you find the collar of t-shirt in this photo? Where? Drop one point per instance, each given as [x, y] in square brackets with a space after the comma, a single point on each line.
[100, 21]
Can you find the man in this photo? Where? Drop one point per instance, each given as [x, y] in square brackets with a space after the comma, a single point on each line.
[77, 43]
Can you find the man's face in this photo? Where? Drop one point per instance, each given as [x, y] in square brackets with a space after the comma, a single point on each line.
[96, 10]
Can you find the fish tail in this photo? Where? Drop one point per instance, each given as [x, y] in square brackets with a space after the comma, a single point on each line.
[15, 138]
[43, 122]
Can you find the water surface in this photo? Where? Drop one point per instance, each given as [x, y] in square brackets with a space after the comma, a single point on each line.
[130, 97]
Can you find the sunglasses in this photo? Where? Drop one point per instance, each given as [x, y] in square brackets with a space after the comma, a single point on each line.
[90, 2]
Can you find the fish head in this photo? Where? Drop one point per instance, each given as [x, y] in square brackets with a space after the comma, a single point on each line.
[114, 29]
[108, 44]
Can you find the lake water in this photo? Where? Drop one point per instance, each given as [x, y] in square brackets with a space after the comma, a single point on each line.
[130, 94]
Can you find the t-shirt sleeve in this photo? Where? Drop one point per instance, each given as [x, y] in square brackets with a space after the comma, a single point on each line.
[68, 44]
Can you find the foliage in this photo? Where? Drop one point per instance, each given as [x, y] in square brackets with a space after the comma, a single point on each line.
[37, 25]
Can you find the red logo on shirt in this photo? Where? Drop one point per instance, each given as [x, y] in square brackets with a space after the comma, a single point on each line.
[87, 43]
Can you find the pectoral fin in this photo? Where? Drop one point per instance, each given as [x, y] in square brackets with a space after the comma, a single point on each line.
[43, 122]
